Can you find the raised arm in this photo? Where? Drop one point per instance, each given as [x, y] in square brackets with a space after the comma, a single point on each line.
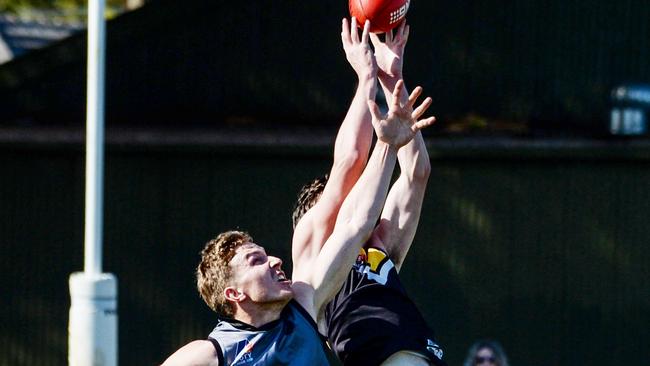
[350, 153]
[362, 207]
[401, 214]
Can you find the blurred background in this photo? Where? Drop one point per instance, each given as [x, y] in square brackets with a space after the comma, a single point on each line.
[534, 229]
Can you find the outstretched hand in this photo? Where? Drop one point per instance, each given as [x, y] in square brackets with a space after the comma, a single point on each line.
[358, 51]
[400, 125]
[390, 53]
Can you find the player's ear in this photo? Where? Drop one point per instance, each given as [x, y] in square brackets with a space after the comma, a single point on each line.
[233, 294]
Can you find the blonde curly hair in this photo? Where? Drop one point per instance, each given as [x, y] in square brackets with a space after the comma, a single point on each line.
[213, 272]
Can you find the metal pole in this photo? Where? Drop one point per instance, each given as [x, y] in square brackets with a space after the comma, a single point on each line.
[92, 329]
[95, 137]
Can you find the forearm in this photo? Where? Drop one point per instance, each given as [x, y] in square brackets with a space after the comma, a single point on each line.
[414, 160]
[350, 155]
[401, 214]
[363, 205]
[355, 134]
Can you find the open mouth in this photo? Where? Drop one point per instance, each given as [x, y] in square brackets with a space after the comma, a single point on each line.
[282, 277]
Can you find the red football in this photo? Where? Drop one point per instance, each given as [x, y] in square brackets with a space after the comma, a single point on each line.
[384, 15]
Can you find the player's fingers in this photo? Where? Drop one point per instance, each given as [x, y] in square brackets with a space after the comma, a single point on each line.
[415, 94]
[353, 30]
[389, 36]
[421, 108]
[366, 31]
[374, 110]
[345, 31]
[423, 124]
[405, 35]
[375, 40]
[397, 94]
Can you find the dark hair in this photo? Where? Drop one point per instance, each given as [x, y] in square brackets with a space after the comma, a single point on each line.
[213, 272]
[307, 198]
[494, 346]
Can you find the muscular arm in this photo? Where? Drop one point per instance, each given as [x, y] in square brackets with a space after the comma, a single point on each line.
[401, 214]
[350, 153]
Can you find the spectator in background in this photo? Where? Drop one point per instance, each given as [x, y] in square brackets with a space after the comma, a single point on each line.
[486, 353]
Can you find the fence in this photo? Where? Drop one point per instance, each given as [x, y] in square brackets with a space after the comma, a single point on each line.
[542, 245]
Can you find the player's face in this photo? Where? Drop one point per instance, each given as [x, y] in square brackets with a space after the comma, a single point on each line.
[260, 276]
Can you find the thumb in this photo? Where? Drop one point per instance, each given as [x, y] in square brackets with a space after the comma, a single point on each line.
[374, 110]
[417, 126]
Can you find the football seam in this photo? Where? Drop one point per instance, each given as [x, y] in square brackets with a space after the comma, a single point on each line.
[363, 11]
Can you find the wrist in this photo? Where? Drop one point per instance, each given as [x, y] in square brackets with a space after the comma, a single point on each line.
[367, 77]
[368, 86]
[388, 147]
[389, 80]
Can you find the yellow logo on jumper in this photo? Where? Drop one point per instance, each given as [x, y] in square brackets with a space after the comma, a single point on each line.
[375, 264]
[374, 259]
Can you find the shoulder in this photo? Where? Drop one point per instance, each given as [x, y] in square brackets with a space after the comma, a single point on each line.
[199, 353]
[302, 234]
[306, 243]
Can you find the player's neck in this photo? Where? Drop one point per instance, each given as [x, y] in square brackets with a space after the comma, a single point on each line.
[259, 315]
